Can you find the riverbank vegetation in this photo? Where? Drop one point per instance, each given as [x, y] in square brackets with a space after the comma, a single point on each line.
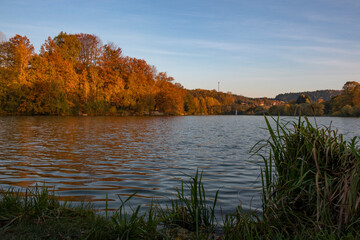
[310, 189]
[324, 95]
[76, 74]
[37, 214]
[310, 182]
[346, 104]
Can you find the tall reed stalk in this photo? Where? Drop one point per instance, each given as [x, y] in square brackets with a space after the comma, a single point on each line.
[311, 178]
[193, 211]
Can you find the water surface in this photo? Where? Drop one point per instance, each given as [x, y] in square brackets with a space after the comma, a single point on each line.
[83, 158]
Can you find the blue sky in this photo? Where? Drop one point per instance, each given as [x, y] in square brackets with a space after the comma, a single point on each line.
[253, 48]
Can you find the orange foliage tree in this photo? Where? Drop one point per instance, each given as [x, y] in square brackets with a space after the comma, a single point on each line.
[78, 74]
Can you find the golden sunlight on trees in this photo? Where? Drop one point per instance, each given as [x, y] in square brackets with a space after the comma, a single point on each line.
[170, 97]
[19, 53]
[77, 74]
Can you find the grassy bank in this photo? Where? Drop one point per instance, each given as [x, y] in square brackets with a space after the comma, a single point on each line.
[36, 214]
[311, 189]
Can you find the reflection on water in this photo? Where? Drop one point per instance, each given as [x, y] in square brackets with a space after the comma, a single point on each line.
[84, 158]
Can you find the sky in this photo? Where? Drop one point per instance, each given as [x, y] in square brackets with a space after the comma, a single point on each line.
[255, 48]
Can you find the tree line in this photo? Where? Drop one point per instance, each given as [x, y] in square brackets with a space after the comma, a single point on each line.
[78, 74]
[346, 103]
[325, 95]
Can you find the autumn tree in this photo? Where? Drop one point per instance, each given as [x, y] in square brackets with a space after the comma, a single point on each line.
[68, 46]
[190, 106]
[111, 70]
[76, 73]
[15, 61]
[19, 51]
[91, 48]
[3, 73]
[213, 105]
[139, 85]
[59, 58]
[170, 98]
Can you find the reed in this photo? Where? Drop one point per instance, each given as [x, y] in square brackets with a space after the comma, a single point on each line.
[133, 225]
[311, 179]
[37, 214]
[194, 212]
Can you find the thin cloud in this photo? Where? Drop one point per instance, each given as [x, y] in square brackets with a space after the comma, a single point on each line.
[191, 42]
[171, 53]
[205, 44]
[327, 50]
[312, 38]
[327, 62]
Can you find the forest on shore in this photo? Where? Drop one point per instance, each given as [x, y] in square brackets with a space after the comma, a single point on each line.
[76, 74]
[346, 104]
[325, 95]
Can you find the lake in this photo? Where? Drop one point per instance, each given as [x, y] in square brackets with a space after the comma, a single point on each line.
[87, 158]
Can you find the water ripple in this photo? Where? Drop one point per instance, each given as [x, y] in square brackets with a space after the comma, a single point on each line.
[83, 158]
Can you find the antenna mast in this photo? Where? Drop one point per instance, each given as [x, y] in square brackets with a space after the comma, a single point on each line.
[218, 86]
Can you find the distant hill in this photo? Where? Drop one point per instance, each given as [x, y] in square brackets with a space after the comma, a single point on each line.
[326, 95]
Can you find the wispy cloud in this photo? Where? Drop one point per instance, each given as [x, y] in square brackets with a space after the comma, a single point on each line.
[326, 50]
[184, 42]
[318, 39]
[327, 62]
[218, 45]
[170, 53]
